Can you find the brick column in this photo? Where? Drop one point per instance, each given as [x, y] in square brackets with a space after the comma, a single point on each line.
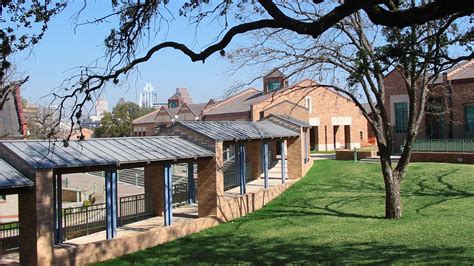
[210, 182]
[295, 157]
[154, 187]
[37, 221]
[254, 158]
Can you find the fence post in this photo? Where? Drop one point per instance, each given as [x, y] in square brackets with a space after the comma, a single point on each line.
[136, 207]
[78, 194]
[87, 220]
[355, 154]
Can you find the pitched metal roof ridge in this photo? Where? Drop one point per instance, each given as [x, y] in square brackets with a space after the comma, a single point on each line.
[231, 98]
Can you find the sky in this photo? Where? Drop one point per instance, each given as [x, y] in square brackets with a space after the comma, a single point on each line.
[66, 47]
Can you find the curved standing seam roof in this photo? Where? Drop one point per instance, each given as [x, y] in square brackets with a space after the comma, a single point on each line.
[42, 154]
[239, 130]
[11, 178]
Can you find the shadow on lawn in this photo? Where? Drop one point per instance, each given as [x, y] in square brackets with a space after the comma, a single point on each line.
[446, 192]
[234, 248]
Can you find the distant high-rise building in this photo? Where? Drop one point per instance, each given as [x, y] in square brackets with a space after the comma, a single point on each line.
[101, 107]
[179, 97]
[148, 97]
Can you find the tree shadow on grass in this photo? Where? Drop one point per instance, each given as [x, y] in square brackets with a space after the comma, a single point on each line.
[234, 249]
[446, 192]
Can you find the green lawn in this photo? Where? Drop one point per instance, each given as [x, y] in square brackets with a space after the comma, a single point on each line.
[335, 215]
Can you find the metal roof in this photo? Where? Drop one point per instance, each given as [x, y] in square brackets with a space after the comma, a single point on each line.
[292, 120]
[10, 178]
[106, 151]
[239, 130]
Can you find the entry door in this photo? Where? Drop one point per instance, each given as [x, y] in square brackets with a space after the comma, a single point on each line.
[347, 137]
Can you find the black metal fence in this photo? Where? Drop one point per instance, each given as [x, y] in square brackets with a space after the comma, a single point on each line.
[9, 236]
[80, 221]
[134, 208]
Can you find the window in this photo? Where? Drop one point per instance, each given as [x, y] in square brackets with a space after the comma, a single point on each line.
[309, 104]
[173, 104]
[401, 117]
[469, 117]
[273, 85]
[262, 115]
[361, 135]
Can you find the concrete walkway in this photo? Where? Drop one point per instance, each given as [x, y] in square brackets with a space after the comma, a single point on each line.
[323, 156]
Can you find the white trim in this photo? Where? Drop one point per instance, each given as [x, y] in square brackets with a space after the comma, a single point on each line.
[308, 102]
[341, 121]
[314, 121]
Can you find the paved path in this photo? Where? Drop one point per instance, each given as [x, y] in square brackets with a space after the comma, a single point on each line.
[323, 156]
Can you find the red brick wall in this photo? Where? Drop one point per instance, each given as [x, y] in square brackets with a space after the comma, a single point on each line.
[462, 94]
[326, 104]
[441, 157]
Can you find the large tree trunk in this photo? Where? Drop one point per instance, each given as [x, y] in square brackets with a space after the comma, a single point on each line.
[393, 200]
[392, 178]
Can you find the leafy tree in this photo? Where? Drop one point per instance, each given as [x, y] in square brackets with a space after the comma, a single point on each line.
[119, 122]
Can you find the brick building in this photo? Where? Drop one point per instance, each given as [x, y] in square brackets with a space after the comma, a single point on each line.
[450, 105]
[336, 122]
[152, 123]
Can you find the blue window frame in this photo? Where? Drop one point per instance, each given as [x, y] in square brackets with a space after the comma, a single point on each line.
[469, 117]
[401, 117]
[274, 85]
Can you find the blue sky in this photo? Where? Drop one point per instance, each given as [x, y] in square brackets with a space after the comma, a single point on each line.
[63, 49]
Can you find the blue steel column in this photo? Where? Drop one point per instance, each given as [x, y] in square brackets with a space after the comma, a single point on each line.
[168, 209]
[265, 163]
[57, 198]
[306, 150]
[191, 184]
[111, 209]
[243, 174]
[237, 164]
[283, 162]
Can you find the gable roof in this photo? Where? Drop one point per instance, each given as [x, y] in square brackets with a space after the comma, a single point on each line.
[43, 154]
[195, 108]
[238, 130]
[237, 103]
[148, 118]
[462, 71]
[10, 178]
[243, 102]
[290, 120]
[275, 73]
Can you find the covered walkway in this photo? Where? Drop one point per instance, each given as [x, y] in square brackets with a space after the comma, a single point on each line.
[203, 146]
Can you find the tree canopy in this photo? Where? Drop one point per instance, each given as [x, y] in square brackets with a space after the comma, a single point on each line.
[118, 123]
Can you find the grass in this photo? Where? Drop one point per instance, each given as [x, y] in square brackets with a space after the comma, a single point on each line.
[335, 215]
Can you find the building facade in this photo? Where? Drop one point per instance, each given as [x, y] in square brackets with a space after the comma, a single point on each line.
[179, 108]
[449, 112]
[336, 122]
